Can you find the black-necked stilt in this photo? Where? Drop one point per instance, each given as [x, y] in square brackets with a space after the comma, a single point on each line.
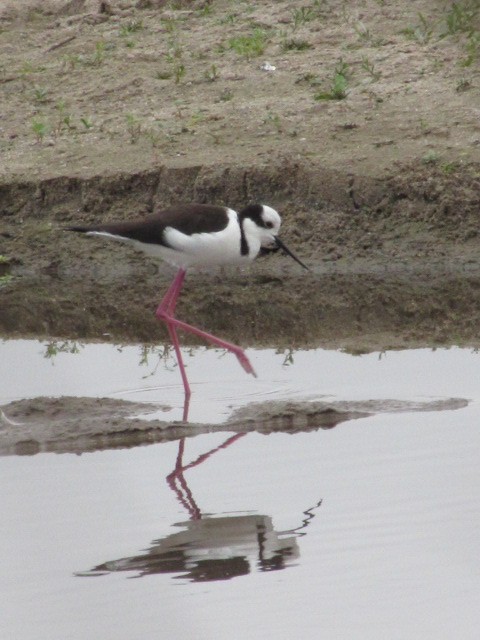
[198, 235]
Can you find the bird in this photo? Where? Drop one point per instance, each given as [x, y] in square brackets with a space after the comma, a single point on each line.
[198, 235]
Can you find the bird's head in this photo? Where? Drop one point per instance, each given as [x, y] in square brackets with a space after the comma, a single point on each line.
[263, 223]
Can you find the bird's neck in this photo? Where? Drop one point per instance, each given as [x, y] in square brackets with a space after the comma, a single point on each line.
[249, 241]
[244, 247]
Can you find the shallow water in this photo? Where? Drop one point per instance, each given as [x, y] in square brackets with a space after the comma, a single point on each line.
[368, 530]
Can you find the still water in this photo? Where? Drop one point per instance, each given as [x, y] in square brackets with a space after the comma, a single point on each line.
[367, 530]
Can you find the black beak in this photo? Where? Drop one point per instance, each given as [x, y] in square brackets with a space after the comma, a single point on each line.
[286, 250]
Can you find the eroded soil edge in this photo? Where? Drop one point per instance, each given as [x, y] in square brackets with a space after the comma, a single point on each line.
[394, 261]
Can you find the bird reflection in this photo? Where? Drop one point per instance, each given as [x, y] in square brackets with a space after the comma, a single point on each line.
[210, 548]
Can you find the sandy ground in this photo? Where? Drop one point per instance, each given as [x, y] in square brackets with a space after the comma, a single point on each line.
[365, 136]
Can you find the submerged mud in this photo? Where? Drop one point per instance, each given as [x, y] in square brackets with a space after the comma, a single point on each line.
[76, 425]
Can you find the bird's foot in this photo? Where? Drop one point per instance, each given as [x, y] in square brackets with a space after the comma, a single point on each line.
[244, 361]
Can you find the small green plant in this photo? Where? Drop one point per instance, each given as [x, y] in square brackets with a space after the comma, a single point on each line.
[461, 17]
[175, 58]
[463, 85]
[27, 67]
[196, 118]
[226, 95]
[169, 24]
[421, 32]
[369, 67]
[40, 129]
[338, 87]
[54, 347]
[425, 128]
[131, 27]
[273, 119]
[293, 44]
[134, 127]
[163, 74]
[99, 54]
[179, 71]
[206, 10]
[63, 120]
[362, 32]
[40, 95]
[228, 19]
[431, 157]
[212, 74]
[309, 78]
[449, 167]
[302, 15]
[5, 275]
[250, 46]
[87, 123]
[70, 61]
[216, 138]
[287, 356]
[472, 47]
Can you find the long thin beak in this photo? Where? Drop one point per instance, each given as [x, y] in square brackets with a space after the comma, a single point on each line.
[286, 250]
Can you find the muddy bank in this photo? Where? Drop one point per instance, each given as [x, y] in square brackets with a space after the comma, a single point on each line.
[76, 425]
[393, 262]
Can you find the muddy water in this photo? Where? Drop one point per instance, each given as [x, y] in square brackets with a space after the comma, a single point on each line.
[365, 530]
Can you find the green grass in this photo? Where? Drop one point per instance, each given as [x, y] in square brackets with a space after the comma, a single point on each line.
[369, 67]
[293, 44]
[40, 95]
[212, 74]
[431, 157]
[40, 129]
[302, 15]
[249, 46]
[421, 32]
[338, 88]
[131, 27]
[273, 120]
[461, 17]
[134, 128]
[87, 123]
[473, 48]
[226, 95]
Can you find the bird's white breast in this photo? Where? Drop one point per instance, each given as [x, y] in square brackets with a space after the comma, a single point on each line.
[205, 249]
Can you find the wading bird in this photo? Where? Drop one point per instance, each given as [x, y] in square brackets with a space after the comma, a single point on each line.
[198, 235]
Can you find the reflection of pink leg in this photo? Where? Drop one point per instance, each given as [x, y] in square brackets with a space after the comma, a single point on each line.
[182, 489]
[165, 312]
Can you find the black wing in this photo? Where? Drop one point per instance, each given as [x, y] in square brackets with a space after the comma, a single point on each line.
[189, 219]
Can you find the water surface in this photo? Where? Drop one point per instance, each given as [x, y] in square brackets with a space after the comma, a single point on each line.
[367, 530]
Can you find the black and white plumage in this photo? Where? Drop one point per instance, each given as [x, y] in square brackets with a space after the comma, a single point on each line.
[198, 235]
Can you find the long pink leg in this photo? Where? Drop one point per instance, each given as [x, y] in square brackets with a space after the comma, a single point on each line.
[167, 306]
[165, 312]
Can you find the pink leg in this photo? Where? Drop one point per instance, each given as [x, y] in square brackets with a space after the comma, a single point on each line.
[167, 307]
[165, 312]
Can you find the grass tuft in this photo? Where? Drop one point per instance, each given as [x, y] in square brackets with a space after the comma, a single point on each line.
[249, 46]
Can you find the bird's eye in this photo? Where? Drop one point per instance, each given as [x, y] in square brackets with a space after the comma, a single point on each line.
[269, 225]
